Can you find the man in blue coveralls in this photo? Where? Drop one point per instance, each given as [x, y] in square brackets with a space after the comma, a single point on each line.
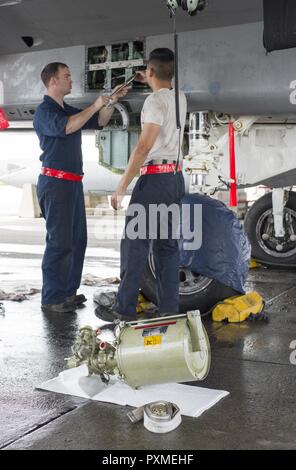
[60, 190]
[161, 181]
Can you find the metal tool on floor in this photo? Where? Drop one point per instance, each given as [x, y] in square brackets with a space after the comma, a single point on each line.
[159, 417]
[160, 350]
[240, 308]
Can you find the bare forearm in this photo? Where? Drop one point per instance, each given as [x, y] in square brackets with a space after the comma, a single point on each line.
[105, 116]
[147, 139]
[136, 160]
[77, 121]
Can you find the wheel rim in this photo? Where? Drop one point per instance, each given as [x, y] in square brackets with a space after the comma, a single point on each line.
[265, 226]
[190, 282]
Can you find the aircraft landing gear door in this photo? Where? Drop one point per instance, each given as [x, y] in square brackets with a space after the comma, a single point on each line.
[278, 202]
[117, 141]
[104, 144]
[114, 148]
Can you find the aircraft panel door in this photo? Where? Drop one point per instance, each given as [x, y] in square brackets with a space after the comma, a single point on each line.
[119, 145]
[105, 147]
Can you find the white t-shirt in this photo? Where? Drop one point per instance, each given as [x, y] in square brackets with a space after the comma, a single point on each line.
[159, 108]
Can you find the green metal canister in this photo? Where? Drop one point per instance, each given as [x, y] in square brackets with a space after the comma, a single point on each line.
[163, 350]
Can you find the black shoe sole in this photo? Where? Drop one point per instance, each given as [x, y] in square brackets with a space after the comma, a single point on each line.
[107, 315]
[80, 305]
[78, 302]
[104, 314]
[67, 307]
[48, 310]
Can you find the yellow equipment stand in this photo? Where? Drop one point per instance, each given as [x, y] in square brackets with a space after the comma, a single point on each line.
[143, 304]
[238, 309]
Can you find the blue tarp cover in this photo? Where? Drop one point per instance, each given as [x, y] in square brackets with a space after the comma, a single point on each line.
[225, 251]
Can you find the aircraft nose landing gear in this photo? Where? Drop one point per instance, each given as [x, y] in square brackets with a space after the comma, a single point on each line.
[269, 244]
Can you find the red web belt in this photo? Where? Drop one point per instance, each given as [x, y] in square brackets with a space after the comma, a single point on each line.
[163, 168]
[63, 175]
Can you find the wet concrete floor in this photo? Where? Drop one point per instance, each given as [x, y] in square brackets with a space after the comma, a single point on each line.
[251, 360]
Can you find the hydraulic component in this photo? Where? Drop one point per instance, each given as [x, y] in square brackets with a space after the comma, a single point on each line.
[155, 351]
[199, 131]
[208, 147]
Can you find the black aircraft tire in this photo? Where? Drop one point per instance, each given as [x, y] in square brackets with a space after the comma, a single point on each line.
[203, 299]
[262, 250]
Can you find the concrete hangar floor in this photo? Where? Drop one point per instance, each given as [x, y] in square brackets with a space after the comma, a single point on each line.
[251, 360]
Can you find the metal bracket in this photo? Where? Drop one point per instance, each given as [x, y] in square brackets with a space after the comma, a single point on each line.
[124, 115]
[124, 64]
[278, 204]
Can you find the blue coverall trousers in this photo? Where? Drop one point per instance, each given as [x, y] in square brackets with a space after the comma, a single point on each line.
[63, 208]
[167, 189]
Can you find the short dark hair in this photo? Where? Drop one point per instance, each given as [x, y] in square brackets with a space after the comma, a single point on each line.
[162, 61]
[50, 71]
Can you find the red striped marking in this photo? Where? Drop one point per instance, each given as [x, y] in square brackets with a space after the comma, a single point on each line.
[155, 325]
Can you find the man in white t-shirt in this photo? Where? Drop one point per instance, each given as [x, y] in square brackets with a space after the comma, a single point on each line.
[156, 157]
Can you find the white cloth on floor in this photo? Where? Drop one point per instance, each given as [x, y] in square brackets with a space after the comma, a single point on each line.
[192, 401]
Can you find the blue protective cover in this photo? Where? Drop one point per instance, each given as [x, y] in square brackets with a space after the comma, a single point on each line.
[225, 251]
